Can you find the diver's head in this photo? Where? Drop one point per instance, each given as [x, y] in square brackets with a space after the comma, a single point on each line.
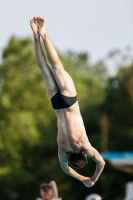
[78, 160]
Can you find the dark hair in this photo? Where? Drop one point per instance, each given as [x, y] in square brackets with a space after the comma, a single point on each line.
[45, 187]
[77, 160]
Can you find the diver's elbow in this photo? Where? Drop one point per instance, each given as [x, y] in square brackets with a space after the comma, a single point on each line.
[103, 163]
[65, 169]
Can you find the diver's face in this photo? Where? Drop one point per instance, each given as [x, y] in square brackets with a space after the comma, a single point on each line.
[78, 160]
[46, 195]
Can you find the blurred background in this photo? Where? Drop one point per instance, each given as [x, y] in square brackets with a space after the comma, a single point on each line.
[95, 44]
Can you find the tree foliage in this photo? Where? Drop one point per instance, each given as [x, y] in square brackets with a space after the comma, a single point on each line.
[28, 127]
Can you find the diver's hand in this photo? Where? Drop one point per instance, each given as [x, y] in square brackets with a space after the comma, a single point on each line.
[87, 182]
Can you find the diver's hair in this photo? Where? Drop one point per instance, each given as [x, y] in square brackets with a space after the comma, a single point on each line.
[77, 160]
[45, 187]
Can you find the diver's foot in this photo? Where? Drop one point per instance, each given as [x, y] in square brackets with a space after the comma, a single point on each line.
[34, 25]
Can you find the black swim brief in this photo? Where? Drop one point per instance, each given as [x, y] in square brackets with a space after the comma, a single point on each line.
[60, 101]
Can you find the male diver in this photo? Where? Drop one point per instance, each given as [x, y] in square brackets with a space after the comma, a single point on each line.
[73, 144]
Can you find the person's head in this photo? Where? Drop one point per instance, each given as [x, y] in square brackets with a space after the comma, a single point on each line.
[93, 196]
[46, 191]
[77, 160]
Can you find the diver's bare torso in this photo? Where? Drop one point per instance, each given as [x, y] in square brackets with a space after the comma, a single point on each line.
[71, 131]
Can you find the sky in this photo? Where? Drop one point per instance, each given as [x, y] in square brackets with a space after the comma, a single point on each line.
[93, 26]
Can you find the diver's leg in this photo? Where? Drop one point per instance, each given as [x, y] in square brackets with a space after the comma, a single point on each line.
[50, 83]
[63, 79]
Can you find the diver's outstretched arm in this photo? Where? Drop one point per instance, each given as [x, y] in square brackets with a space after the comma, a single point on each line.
[100, 163]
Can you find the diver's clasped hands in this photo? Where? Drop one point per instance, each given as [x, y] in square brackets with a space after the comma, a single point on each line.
[89, 182]
[38, 25]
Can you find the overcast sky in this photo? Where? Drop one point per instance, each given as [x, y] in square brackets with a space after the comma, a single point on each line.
[94, 26]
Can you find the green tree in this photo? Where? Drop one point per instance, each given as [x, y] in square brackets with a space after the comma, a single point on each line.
[28, 127]
[28, 148]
